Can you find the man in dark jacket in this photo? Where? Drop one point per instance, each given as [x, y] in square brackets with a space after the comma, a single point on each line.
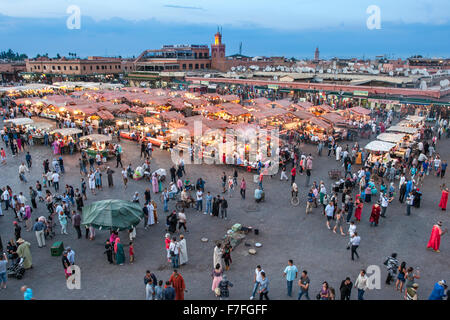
[149, 276]
[346, 289]
[168, 292]
[223, 208]
[173, 172]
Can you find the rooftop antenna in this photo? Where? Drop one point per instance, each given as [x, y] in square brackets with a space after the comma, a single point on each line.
[240, 48]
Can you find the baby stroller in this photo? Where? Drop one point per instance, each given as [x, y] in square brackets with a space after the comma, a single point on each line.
[17, 270]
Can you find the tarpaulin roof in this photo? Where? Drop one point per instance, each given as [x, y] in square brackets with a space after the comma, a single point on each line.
[20, 121]
[333, 118]
[112, 214]
[379, 146]
[391, 137]
[402, 129]
[234, 109]
[359, 110]
[96, 137]
[171, 115]
[303, 105]
[303, 115]
[320, 123]
[105, 115]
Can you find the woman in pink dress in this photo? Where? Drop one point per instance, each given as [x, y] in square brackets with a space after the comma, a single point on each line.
[55, 147]
[435, 238]
[155, 183]
[217, 276]
[19, 144]
[444, 198]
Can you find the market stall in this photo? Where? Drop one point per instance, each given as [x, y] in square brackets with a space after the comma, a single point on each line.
[63, 137]
[97, 143]
[38, 130]
[379, 151]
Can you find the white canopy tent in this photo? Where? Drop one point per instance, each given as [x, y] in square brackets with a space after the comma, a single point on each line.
[20, 121]
[67, 131]
[402, 129]
[381, 146]
[391, 137]
[96, 137]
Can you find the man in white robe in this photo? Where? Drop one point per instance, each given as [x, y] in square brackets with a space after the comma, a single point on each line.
[218, 255]
[151, 217]
[183, 250]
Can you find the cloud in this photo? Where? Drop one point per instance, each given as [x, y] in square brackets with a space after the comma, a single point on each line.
[182, 7]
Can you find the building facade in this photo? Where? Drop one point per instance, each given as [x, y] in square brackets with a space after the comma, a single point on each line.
[174, 58]
[64, 66]
[9, 71]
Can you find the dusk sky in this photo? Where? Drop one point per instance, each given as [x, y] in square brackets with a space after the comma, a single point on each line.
[289, 28]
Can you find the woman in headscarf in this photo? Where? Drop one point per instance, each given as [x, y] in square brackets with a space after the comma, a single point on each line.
[359, 207]
[118, 250]
[155, 183]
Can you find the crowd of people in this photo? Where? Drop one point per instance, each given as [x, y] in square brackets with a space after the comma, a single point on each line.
[359, 188]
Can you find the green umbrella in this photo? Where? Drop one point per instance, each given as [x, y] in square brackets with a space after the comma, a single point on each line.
[112, 214]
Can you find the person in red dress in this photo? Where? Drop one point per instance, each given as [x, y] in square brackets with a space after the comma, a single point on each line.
[375, 215]
[359, 207]
[178, 284]
[444, 198]
[435, 238]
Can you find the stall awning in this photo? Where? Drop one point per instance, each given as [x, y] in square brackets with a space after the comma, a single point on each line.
[391, 137]
[402, 129]
[20, 121]
[359, 110]
[97, 137]
[67, 131]
[105, 115]
[381, 146]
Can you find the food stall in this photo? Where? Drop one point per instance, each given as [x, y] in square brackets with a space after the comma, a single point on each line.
[62, 138]
[38, 129]
[379, 151]
[97, 143]
[401, 141]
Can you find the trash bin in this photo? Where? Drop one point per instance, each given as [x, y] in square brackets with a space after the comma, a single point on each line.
[57, 249]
